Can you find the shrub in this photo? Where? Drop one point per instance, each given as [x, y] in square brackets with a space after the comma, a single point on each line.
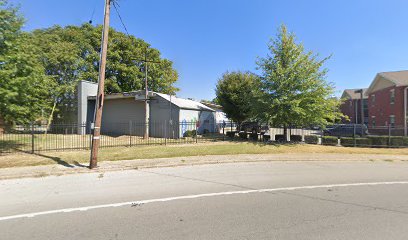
[190, 133]
[311, 139]
[253, 136]
[243, 135]
[397, 141]
[379, 141]
[231, 134]
[330, 140]
[295, 138]
[349, 142]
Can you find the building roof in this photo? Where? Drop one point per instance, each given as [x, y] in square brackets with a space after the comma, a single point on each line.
[185, 103]
[352, 94]
[179, 102]
[400, 78]
[212, 105]
[388, 79]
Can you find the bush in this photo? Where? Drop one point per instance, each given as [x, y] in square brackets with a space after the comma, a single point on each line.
[253, 136]
[295, 138]
[311, 139]
[231, 134]
[399, 141]
[330, 140]
[379, 141]
[190, 133]
[349, 142]
[243, 135]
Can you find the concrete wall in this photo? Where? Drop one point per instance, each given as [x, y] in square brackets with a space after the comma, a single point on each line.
[160, 124]
[84, 90]
[117, 115]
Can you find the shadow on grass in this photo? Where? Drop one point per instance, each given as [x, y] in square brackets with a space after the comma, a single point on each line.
[61, 162]
[262, 143]
[7, 146]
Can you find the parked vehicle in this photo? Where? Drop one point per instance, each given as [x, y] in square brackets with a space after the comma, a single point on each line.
[253, 127]
[346, 130]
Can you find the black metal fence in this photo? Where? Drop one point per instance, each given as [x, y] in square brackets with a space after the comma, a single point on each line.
[34, 138]
[360, 136]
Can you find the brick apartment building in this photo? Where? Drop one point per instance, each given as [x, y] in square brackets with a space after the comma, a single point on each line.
[351, 106]
[387, 100]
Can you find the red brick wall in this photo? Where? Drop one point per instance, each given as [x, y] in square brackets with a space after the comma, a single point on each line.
[382, 107]
[348, 108]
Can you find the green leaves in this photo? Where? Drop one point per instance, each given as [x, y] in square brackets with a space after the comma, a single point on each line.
[294, 91]
[235, 92]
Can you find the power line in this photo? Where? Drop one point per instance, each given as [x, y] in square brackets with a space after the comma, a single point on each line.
[115, 6]
[93, 13]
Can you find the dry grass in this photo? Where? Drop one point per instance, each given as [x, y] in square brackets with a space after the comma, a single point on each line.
[70, 158]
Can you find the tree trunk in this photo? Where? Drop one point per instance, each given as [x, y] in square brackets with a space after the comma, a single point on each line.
[2, 125]
[51, 117]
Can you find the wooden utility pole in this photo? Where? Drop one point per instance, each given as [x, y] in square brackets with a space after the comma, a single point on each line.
[101, 85]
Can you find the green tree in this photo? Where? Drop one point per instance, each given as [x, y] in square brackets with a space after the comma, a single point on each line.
[236, 92]
[294, 90]
[70, 54]
[24, 88]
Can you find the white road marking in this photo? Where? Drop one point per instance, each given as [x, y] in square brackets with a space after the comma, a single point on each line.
[168, 199]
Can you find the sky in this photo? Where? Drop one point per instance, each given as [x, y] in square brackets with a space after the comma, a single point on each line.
[206, 38]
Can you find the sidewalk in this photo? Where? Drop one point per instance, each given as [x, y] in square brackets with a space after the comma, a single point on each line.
[58, 170]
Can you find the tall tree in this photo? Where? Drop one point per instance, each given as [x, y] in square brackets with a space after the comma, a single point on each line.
[24, 88]
[71, 54]
[294, 90]
[236, 92]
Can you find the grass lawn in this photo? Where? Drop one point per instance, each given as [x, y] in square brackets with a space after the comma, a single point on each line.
[148, 152]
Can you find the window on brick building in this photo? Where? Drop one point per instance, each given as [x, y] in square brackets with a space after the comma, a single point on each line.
[373, 121]
[392, 121]
[373, 98]
[392, 96]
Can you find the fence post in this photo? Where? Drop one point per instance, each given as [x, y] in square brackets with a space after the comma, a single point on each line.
[223, 130]
[130, 133]
[303, 135]
[32, 139]
[90, 134]
[196, 133]
[389, 135]
[354, 135]
[165, 132]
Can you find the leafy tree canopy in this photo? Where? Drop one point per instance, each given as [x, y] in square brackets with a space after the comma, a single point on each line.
[235, 92]
[24, 88]
[294, 90]
[70, 54]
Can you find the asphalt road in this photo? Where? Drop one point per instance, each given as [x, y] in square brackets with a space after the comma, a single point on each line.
[276, 200]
